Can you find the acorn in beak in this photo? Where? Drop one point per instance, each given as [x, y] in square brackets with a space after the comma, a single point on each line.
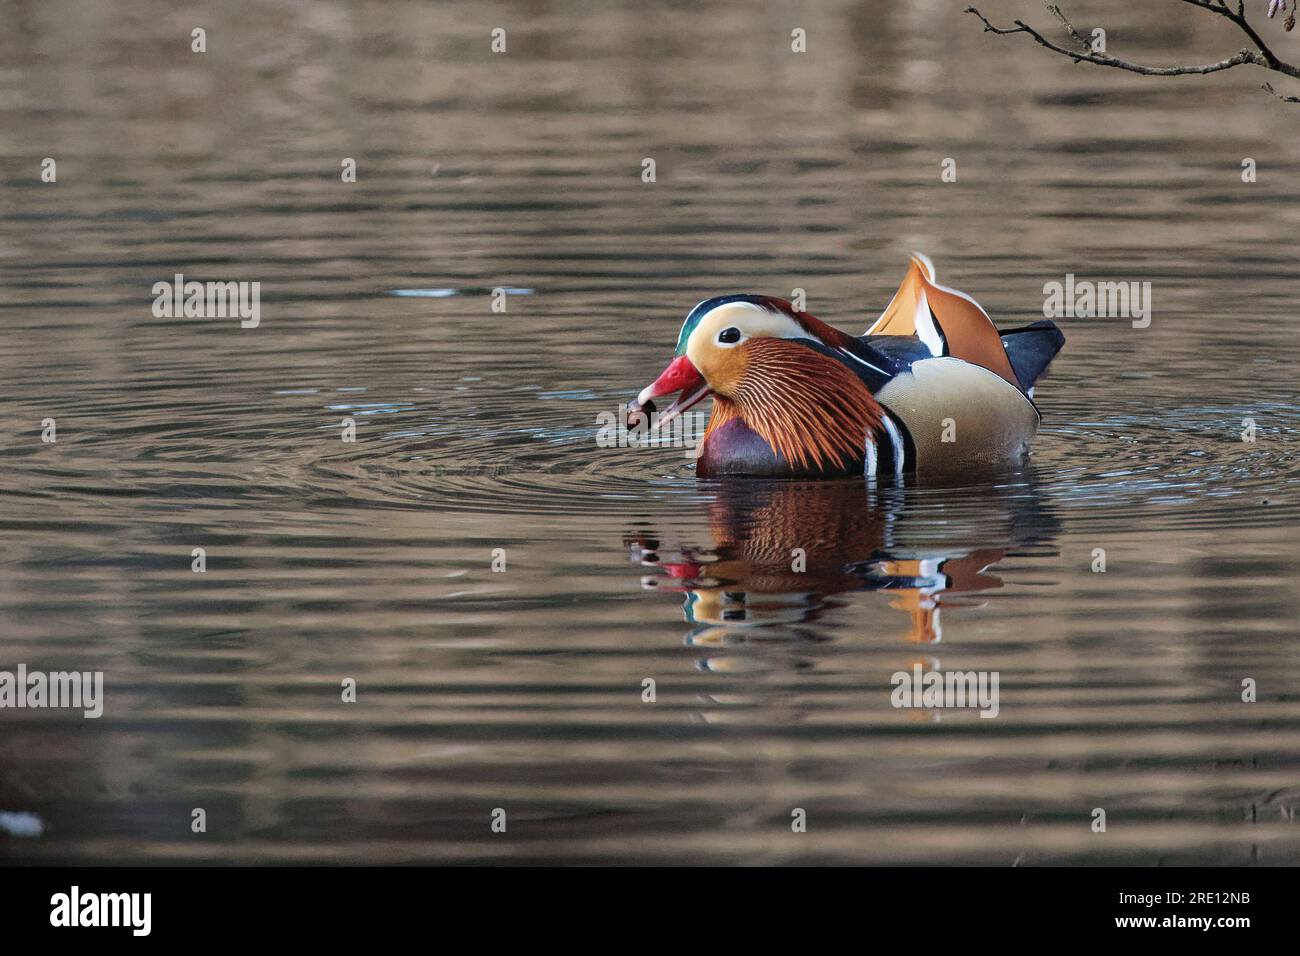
[680, 376]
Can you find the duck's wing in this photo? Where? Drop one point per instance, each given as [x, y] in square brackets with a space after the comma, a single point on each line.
[946, 321]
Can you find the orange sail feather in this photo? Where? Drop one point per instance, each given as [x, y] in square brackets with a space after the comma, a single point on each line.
[948, 321]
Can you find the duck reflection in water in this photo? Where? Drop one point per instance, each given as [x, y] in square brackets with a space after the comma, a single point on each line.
[780, 552]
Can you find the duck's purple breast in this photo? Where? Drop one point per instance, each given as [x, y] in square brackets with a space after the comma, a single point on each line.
[734, 448]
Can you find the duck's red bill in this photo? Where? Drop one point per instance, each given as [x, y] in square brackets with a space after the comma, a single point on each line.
[680, 376]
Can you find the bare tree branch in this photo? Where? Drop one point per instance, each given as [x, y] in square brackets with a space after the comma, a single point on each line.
[1271, 60]
[1285, 99]
[1069, 27]
[1262, 56]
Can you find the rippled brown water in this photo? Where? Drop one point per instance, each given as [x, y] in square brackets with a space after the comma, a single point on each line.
[522, 690]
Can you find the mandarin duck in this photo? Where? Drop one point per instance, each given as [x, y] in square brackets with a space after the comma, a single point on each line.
[932, 389]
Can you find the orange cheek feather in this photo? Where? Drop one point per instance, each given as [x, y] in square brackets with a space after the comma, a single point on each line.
[809, 407]
[724, 369]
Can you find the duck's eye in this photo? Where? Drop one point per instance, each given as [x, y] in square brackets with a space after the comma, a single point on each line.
[729, 336]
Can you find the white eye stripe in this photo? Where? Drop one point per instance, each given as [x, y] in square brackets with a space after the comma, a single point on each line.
[750, 319]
